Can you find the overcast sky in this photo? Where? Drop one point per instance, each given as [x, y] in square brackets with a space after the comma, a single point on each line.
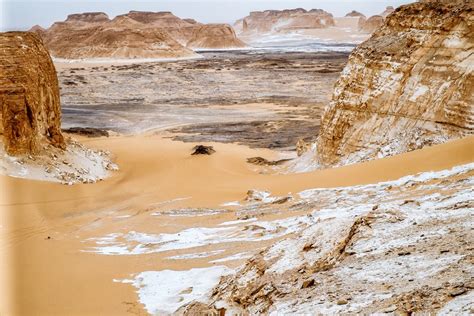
[21, 14]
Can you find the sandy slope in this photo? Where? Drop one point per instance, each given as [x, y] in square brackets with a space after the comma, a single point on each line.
[52, 276]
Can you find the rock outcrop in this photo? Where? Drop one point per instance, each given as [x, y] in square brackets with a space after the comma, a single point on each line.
[179, 29]
[31, 143]
[112, 41]
[189, 32]
[354, 14]
[137, 34]
[29, 95]
[95, 36]
[400, 247]
[274, 21]
[214, 36]
[410, 85]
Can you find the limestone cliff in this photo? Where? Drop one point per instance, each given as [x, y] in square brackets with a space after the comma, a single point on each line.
[214, 36]
[31, 143]
[29, 95]
[410, 85]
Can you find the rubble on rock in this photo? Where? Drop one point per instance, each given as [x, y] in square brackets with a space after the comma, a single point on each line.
[397, 246]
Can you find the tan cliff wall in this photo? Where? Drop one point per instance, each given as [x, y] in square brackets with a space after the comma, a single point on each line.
[93, 35]
[30, 111]
[137, 34]
[410, 85]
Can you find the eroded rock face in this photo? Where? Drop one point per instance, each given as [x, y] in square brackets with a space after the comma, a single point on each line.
[137, 34]
[400, 247]
[98, 37]
[179, 29]
[408, 86]
[273, 21]
[214, 36]
[29, 95]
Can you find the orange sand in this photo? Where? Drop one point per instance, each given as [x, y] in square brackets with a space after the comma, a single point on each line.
[52, 277]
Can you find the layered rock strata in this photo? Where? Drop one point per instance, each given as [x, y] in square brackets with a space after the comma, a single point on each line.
[400, 247]
[29, 95]
[137, 34]
[31, 143]
[409, 86]
[93, 35]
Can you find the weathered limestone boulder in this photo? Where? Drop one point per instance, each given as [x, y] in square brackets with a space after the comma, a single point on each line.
[410, 85]
[29, 95]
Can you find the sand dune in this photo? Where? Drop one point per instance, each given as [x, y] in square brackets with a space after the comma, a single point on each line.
[55, 277]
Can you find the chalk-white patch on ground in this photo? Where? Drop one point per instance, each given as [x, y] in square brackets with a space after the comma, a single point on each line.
[163, 292]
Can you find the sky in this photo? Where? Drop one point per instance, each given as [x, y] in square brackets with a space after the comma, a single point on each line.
[23, 14]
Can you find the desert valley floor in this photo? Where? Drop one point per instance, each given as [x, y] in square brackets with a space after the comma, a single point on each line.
[167, 210]
[258, 98]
